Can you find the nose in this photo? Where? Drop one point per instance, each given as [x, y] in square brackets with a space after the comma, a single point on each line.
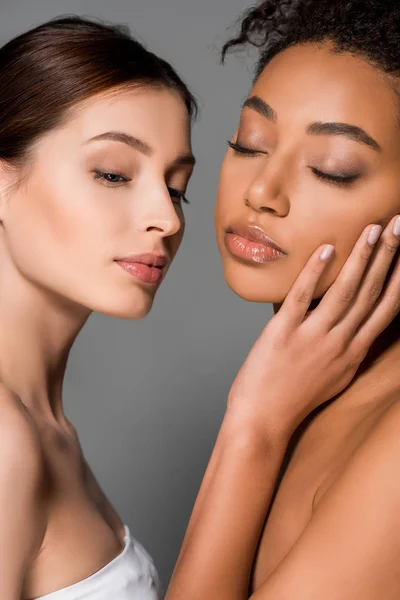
[266, 192]
[159, 213]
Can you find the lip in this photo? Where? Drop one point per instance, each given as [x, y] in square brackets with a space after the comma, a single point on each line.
[254, 233]
[151, 259]
[148, 267]
[251, 244]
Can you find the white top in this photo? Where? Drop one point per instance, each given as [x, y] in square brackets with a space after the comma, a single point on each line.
[129, 576]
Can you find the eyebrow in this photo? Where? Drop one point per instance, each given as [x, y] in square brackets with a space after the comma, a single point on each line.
[260, 106]
[352, 132]
[140, 145]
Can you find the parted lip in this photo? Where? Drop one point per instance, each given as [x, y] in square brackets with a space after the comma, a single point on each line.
[152, 259]
[254, 233]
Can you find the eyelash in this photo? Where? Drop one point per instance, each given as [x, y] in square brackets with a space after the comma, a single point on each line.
[242, 150]
[181, 195]
[101, 176]
[335, 179]
[327, 177]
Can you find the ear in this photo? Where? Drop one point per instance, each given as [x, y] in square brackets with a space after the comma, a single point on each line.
[7, 180]
[2, 193]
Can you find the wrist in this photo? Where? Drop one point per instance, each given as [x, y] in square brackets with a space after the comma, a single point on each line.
[242, 426]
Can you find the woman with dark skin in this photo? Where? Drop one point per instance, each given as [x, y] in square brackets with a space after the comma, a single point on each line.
[301, 497]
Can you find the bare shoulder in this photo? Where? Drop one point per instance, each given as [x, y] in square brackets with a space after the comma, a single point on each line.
[22, 513]
[383, 440]
[353, 536]
[374, 463]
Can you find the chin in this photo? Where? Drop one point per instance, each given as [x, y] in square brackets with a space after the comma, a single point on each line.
[254, 286]
[132, 314]
[131, 307]
[254, 295]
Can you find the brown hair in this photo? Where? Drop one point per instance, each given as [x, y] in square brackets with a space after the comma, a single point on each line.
[46, 71]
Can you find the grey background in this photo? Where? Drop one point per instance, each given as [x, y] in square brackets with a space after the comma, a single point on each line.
[147, 397]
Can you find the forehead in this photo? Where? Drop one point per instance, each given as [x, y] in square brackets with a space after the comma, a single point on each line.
[156, 115]
[308, 83]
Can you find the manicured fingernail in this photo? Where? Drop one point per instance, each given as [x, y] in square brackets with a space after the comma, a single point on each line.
[396, 227]
[327, 252]
[374, 234]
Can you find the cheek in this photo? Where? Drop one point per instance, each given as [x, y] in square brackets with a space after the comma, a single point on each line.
[48, 217]
[37, 221]
[337, 224]
[228, 195]
[56, 225]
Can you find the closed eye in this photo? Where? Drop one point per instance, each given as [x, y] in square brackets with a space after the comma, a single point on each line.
[242, 149]
[180, 196]
[335, 178]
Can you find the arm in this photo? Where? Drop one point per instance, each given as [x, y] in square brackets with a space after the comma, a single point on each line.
[22, 517]
[228, 516]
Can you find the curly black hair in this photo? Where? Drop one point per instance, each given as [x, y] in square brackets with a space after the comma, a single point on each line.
[369, 28]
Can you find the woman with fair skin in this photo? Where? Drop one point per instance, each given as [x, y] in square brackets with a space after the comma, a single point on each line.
[92, 182]
[301, 497]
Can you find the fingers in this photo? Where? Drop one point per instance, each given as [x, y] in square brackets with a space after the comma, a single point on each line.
[298, 300]
[340, 296]
[355, 291]
[386, 309]
[374, 280]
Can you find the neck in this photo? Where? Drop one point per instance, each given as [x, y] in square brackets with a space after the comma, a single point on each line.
[38, 329]
[378, 375]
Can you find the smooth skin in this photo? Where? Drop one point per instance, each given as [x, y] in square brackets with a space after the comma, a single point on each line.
[300, 498]
[78, 204]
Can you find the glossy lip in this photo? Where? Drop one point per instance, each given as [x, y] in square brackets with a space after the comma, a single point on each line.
[253, 233]
[152, 259]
